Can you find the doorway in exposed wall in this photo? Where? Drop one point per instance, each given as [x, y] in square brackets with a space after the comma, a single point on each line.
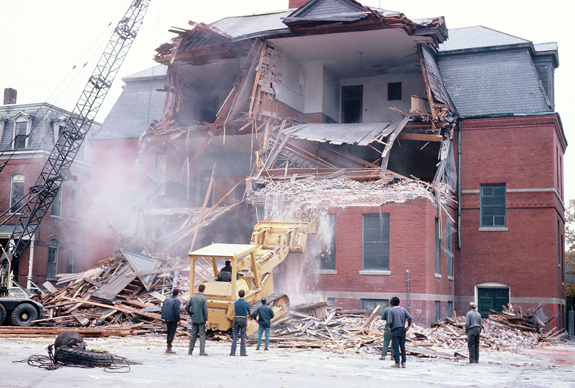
[351, 103]
[491, 298]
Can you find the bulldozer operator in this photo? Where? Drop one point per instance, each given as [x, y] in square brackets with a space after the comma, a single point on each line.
[225, 274]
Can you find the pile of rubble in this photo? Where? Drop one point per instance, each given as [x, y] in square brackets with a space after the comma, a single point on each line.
[121, 296]
[355, 331]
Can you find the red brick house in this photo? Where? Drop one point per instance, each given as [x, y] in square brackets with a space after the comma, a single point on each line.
[27, 136]
[436, 153]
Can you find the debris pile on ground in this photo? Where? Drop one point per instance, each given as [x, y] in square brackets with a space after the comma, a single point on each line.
[121, 296]
[362, 330]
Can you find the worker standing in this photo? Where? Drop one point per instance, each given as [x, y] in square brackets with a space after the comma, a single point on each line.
[396, 318]
[242, 310]
[386, 335]
[197, 308]
[171, 314]
[473, 330]
[264, 315]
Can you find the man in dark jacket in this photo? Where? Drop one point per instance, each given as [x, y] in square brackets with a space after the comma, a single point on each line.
[396, 317]
[171, 314]
[242, 311]
[473, 330]
[197, 309]
[264, 315]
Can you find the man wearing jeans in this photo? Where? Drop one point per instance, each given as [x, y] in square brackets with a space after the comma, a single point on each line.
[264, 315]
[197, 308]
[242, 310]
[396, 318]
[473, 330]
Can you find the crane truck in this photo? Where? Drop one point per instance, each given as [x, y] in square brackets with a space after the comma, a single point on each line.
[36, 203]
[252, 270]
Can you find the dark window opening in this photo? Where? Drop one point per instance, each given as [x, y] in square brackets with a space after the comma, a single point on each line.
[52, 265]
[351, 103]
[493, 205]
[437, 310]
[394, 91]
[437, 263]
[210, 107]
[370, 304]
[375, 250]
[20, 135]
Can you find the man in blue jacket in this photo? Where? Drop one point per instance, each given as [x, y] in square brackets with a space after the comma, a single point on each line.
[171, 314]
[242, 311]
[264, 315]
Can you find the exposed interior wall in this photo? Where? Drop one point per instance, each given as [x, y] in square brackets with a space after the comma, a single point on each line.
[331, 96]
[375, 99]
[291, 89]
[313, 90]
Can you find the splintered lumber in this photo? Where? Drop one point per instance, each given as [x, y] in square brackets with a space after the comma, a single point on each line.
[371, 318]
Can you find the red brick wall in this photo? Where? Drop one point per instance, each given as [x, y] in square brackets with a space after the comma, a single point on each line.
[412, 247]
[66, 231]
[522, 153]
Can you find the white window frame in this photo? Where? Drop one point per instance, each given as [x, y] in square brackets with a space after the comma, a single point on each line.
[20, 118]
[56, 124]
[54, 265]
[15, 178]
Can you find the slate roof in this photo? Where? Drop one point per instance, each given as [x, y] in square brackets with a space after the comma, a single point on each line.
[137, 106]
[483, 82]
[476, 37]
[240, 26]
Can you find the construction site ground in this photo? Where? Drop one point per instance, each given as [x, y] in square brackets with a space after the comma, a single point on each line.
[539, 366]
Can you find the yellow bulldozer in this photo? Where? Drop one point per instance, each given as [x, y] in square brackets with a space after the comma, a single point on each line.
[251, 270]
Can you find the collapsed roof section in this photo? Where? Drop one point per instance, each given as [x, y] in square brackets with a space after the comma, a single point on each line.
[323, 91]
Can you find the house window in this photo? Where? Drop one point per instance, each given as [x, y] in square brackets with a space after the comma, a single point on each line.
[375, 249]
[327, 256]
[351, 103]
[56, 209]
[74, 204]
[59, 128]
[20, 135]
[370, 304]
[493, 206]
[70, 258]
[451, 232]
[331, 302]
[52, 267]
[394, 91]
[450, 309]
[437, 310]
[16, 192]
[437, 263]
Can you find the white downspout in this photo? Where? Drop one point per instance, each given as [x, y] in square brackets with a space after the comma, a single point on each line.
[30, 263]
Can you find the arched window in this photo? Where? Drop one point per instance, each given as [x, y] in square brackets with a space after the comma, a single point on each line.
[52, 267]
[16, 192]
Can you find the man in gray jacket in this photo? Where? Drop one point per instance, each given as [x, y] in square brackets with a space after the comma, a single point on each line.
[473, 330]
[396, 317]
[171, 314]
[197, 309]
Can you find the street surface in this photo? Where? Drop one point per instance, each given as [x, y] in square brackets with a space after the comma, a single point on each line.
[550, 366]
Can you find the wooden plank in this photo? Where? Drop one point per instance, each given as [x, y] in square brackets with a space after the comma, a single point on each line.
[420, 137]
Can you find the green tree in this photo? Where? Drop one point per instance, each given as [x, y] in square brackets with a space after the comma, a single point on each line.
[570, 248]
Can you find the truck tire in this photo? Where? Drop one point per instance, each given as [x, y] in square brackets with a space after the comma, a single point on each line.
[24, 314]
[2, 313]
[83, 357]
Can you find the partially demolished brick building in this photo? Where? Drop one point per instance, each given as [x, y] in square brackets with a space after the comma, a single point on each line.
[432, 157]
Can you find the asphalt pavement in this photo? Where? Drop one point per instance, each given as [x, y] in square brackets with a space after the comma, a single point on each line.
[150, 366]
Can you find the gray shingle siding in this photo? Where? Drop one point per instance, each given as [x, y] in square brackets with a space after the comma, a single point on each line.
[137, 106]
[496, 82]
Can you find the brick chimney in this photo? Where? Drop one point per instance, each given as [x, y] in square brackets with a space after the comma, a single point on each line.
[296, 3]
[10, 96]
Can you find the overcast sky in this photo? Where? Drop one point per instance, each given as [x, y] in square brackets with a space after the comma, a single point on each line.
[42, 41]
